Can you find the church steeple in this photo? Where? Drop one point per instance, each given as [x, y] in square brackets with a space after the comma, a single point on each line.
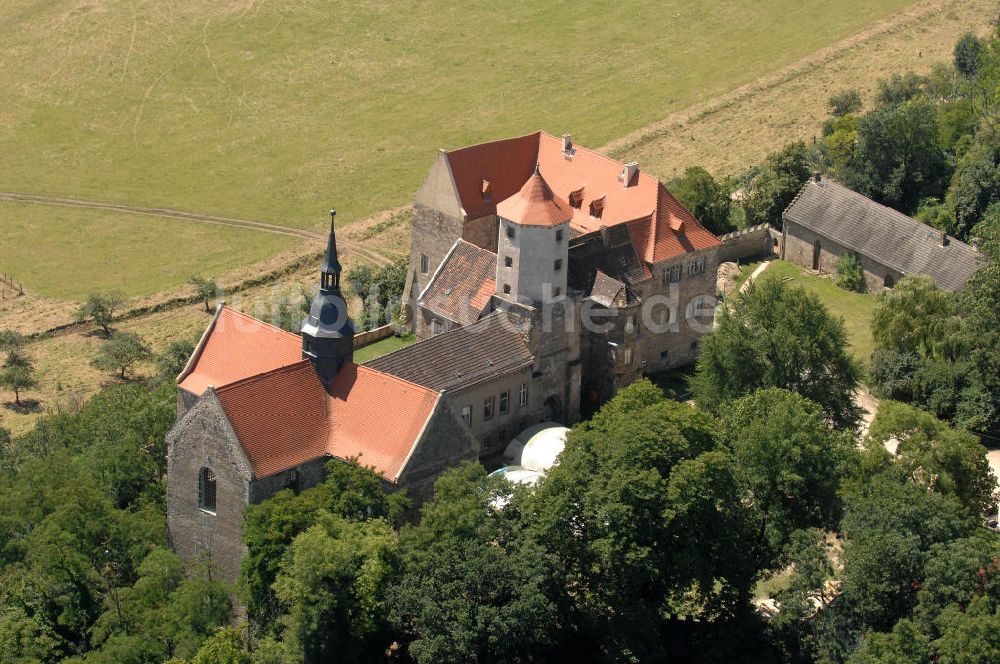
[327, 333]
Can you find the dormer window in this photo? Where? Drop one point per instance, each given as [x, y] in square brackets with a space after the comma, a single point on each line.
[576, 199]
[487, 190]
[597, 208]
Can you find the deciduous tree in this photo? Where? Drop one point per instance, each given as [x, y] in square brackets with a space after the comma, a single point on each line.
[101, 309]
[121, 353]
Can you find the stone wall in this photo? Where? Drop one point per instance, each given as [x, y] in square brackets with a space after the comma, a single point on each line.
[444, 443]
[432, 236]
[800, 245]
[362, 339]
[203, 438]
[492, 435]
[753, 242]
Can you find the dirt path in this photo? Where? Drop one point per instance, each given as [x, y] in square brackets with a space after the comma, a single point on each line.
[347, 246]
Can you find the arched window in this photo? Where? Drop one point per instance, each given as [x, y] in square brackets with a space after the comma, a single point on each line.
[206, 490]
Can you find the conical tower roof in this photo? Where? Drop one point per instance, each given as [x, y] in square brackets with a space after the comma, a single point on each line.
[535, 205]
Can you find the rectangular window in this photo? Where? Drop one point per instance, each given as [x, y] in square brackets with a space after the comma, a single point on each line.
[488, 408]
[437, 327]
[696, 266]
[672, 274]
[559, 235]
[510, 231]
[557, 292]
[557, 264]
[506, 289]
[522, 395]
[504, 402]
[664, 354]
[467, 415]
[627, 357]
[425, 264]
[508, 261]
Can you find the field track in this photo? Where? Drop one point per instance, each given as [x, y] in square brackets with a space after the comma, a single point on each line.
[345, 245]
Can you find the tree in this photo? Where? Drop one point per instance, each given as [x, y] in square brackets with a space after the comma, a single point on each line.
[332, 589]
[975, 185]
[205, 289]
[171, 362]
[475, 586]
[361, 280]
[934, 455]
[788, 464]
[121, 353]
[101, 309]
[968, 50]
[705, 198]
[898, 158]
[915, 317]
[770, 188]
[778, 336]
[16, 375]
[899, 89]
[845, 102]
[850, 276]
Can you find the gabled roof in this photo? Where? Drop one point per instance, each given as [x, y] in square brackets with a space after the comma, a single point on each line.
[462, 287]
[611, 293]
[535, 205]
[885, 235]
[461, 357]
[236, 346]
[664, 229]
[285, 417]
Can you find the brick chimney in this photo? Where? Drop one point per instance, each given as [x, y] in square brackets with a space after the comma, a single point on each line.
[567, 144]
[628, 173]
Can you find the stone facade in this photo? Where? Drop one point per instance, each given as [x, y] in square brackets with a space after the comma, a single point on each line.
[432, 236]
[805, 247]
[758, 241]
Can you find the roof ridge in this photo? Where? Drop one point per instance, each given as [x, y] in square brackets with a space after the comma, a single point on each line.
[583, 148]
[400, 379]
[537, 132]
[262, 322]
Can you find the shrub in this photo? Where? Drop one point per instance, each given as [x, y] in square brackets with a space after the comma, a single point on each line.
[849, 274]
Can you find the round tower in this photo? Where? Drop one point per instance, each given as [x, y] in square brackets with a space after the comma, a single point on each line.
[327, 333]
[533, 247]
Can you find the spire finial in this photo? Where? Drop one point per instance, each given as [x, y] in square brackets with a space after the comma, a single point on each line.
[331, 266]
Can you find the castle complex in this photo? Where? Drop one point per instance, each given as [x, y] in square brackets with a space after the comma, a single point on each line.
[543, 278]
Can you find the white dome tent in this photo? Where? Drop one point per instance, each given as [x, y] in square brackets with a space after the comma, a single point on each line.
[532, 453]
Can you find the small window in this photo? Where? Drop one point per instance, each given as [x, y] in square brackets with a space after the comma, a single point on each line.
[664, 355]
[506, 289]
[627, 357]
[206, 490]
[522, 395]
[488, 408]
[292, 481]
[557, 264]
[487, 442]
[425, 264]
[467, 415]
[556, 292]
[694, 345]
[504, 402]
[508, 261]
[510, 231]
[559, 235]
[672, 274]
[437, 327]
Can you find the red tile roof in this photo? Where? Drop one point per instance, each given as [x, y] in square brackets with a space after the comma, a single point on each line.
[670, 230]
[463, 285]
[535, 205]
[285, 417]
[237, 346]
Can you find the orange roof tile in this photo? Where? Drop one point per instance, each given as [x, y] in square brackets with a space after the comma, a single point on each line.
[285, 417]
[463, 285]
[508, 165]
[535, 205]
[238, 346]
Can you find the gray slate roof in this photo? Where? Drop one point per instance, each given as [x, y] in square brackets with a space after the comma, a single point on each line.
[460, 357]
[882, 234]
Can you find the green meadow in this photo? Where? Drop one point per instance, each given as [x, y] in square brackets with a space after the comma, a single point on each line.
[276, 110]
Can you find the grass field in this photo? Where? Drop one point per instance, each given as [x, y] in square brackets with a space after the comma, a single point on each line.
[275, 110]
[65, 253]
[383, 347]
[854, 308]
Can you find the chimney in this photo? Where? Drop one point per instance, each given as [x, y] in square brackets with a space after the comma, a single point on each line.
[816, 176]
[567, 144]
[628, 173]
[944, 238]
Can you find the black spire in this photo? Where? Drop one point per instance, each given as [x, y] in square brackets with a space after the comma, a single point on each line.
[327, 333]
[330, 270]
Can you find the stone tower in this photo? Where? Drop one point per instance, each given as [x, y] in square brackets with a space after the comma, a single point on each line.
[533, 246]
[327, 333]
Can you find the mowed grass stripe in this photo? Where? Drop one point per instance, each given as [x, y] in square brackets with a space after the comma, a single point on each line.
[64, 252]
[274, 111]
